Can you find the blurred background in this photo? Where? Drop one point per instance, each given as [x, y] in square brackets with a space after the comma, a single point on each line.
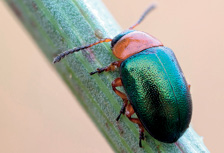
[36, 118]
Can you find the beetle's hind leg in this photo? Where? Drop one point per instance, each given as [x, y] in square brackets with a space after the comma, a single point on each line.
[129, 112]
[111, 67]
[117, 83]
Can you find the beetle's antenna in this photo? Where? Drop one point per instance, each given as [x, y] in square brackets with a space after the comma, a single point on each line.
[151, 7]
[65, 53]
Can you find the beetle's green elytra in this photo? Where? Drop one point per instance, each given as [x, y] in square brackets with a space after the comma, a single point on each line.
[154, 84]
[158, 92]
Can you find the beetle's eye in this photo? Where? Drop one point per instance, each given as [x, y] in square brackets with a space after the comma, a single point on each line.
[119, 36]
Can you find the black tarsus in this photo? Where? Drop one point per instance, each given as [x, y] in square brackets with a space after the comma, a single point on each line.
[122, 111]
[141, 137]
[99, 70]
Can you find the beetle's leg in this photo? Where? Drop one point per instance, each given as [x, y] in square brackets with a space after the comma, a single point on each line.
[111, 67]
[117, 83]
[129, 112]
[122, 111]
[189, 86]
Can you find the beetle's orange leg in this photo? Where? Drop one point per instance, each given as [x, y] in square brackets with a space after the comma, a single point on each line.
[129, 112]
[111, 67]
[117, 83]
[189, 86]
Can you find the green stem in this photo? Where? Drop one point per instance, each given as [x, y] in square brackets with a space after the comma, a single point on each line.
[59, 25]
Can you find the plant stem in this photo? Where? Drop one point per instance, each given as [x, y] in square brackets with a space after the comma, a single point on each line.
[59, 25]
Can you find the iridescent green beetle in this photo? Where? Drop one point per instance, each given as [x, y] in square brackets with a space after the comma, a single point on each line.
[155, 87]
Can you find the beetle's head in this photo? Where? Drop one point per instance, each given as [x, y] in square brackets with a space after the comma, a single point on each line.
[119, 36]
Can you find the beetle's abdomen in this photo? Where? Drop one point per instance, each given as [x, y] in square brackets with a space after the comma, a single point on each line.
[158, 92]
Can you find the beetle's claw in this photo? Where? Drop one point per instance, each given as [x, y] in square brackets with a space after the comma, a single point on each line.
[91, 73]
[141, 137]
[98, 70]
[122, 111]
[140, 143]
[117, 119]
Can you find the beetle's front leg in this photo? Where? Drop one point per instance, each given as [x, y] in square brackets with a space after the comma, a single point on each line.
[111, 67]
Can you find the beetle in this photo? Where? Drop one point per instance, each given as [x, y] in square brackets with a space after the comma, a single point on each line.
[154, 84]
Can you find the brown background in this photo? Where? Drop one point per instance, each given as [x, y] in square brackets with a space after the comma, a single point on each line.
[38, 113]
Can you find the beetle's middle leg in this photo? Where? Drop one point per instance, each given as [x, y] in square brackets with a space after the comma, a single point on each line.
[129, 112]
[111, 67]
[127, 109]
[117, 83]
